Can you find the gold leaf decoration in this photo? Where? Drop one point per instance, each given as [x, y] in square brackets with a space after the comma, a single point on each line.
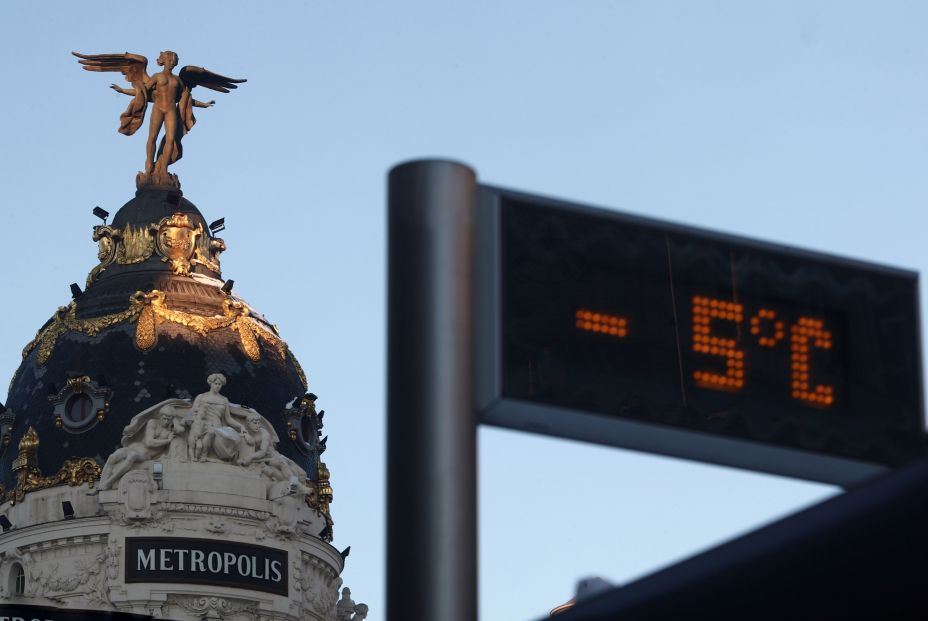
[106, 238]
[145, 336]
[247, 336]
[73, 472]
[65, 320]
[148, 309]
[137, 245]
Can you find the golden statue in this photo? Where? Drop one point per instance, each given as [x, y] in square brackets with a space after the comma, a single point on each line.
[172, 104]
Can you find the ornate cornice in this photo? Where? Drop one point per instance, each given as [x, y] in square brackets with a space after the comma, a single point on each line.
[148, 310]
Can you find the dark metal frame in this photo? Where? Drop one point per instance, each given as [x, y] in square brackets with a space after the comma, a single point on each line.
[495, 409]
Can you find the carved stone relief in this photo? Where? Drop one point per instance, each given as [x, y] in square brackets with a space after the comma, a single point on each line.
[318, 586]
[209, 429]
[81, 580]
[137, 489]
[225, 608]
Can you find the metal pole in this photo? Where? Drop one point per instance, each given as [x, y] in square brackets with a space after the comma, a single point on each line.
[431, 419]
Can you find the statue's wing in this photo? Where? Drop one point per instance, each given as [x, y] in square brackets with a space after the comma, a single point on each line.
[133, 66]
[193, 76]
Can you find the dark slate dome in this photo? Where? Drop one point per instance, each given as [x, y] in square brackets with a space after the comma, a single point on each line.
[152, 323]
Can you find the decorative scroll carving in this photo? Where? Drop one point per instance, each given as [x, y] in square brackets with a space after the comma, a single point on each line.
[207, 252]
[318, 585]
[148, 310]
[73, 472]
[106, 238]
[214, 607]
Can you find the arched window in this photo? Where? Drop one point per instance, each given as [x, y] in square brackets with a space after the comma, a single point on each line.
[18, 580]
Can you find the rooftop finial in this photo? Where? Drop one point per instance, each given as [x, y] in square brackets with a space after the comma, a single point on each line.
[172, 104]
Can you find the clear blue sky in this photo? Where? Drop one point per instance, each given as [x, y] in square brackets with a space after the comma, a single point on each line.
[800, 122]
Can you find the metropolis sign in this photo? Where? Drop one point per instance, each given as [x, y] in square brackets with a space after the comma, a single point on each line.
[198, 561]
[627, 331]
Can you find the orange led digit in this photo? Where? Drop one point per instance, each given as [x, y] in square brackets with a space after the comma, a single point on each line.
[805, 331]
[704, 311]
[768, 337]
[602, 323]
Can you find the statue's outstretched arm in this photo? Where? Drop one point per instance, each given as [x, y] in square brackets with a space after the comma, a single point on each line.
[200, 104]
[125, 91]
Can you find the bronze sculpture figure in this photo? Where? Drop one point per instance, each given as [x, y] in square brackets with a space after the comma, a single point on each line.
[171, 99]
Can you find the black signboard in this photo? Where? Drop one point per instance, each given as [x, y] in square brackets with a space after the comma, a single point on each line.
[632, 332]
[199, 561]
[16, 612]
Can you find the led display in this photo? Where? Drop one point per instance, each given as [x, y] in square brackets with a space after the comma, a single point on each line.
[639, 320]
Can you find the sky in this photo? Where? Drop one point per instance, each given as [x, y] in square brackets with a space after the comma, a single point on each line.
[800, 122]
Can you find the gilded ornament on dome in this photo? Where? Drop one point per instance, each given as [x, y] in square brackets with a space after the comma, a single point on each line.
[150, 309]
[135, 244]
[207, 252]
[177, 241]
[324, 498]
[174, 238]
[65, 320]
[73, 472]
[105, 236]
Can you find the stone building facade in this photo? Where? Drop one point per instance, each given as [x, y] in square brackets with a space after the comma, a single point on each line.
[160, 451]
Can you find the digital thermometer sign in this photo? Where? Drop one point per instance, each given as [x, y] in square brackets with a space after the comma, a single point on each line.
[632, 332]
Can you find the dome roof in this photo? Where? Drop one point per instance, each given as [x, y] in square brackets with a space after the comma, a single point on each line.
[153, 322]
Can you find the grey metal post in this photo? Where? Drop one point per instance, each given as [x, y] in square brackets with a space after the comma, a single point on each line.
[431, 420]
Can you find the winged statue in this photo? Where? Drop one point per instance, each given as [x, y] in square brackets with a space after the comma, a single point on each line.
[171, 99]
